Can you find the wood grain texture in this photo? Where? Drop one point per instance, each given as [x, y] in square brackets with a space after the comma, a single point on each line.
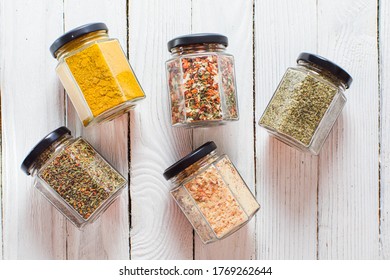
[384, 180]
[334, 206]
[1, 176]
[348, 166]
[235, 139]
[286, 179]
[108, 237]
[159, 228]
[32, 107]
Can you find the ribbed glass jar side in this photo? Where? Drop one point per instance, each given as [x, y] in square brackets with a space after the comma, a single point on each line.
[197, 49]
[237, 185]
[334, 110]
[323, 73]
[80, 42]
[65, 75]
[193, 169]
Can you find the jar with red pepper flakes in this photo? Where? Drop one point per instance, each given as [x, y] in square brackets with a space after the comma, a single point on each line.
[201, 81]
[211, 193]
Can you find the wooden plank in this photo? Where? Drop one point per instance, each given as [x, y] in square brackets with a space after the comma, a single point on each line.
[234, 139]
[32, 107]
[286, 179]
[1, 177]
[159, 229]
[108, 237]
[348, 166]
[384, 180]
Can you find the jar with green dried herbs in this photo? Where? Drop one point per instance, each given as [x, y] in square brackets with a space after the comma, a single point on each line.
[211, 193]
[201, 81]
[307, 103]
[73, 176]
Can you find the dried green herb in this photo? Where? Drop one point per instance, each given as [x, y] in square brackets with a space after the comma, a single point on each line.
[201, 88]
[228, 86]
[174, 86]
[82, 177]
[298, 105]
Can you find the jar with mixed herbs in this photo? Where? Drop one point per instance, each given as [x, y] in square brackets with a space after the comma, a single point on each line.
[75, 178]
[307, 103]
[95, 73]
[201, 81]
[211, 193]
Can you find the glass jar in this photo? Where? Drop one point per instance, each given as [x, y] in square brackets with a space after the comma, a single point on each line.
[211, 193]
[95, 73]
[73, 176]
[201, 81]
[307, 103]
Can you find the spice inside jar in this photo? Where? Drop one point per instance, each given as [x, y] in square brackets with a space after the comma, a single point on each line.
[73, 176]
[307, 103]
[211, 193]
[96, 74]
[201, 81]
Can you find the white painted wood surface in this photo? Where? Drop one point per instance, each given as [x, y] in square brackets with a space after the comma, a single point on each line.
[1, 189]
[334, 206]
[348, 165]
[286, 179]
[384, 136]
[236, 139]
[111, 232]
[32, 105]
[159, 229]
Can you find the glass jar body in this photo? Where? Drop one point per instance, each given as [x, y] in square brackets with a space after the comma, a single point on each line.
[202, 86]
[214, 197]
[77, 180]
[98, 78]
[304, 107]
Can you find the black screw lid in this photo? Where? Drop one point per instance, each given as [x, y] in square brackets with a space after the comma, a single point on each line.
[198, 38]
[189, 159]
[328, 65]
[76, 33]
[42, 146]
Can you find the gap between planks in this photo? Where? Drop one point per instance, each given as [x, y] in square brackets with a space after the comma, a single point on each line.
[254, 112]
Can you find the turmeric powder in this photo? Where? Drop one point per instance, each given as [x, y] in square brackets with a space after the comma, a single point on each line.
[104, 76]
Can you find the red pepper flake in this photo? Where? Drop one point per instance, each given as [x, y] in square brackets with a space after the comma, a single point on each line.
[195, 94]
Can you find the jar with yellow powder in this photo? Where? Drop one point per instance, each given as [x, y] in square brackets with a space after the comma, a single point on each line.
[95, 73]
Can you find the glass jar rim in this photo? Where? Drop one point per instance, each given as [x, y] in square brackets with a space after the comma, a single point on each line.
[327, 65]
[42, 146]
[197, 38]
[76, 33]
[189, 159]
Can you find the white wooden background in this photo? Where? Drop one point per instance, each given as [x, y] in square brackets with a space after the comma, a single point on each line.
[334, 206]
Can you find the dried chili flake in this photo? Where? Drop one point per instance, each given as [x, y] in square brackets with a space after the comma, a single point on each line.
[202, 88]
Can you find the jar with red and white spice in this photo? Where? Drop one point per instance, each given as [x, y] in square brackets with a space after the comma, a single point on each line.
[201, 81]
[211, 193]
